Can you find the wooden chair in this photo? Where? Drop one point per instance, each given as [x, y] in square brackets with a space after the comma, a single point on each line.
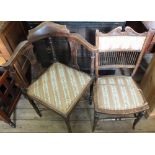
[60, 87]
[119, 96]
[9, 96]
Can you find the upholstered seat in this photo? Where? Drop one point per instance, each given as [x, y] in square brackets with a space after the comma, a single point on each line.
[59, 88]
[118, 95]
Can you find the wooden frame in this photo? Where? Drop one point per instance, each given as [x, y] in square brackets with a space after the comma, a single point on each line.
[138, 113]
[25, 48]
[9, 95]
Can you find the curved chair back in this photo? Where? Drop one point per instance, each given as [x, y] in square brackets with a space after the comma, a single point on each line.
[45, 30]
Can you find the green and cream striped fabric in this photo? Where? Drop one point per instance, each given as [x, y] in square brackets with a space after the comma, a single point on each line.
[117, 93]
[59, 88]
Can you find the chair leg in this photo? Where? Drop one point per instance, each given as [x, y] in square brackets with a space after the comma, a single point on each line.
[68, 124]
[32, 103]
[14, 118]
[138, 117]
[96, 118]
[91, 93]
[34, 106]
[13, 125]
[6, 119]
[146, 115]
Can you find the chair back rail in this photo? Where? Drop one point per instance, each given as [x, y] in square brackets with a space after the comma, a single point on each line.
[46, 30]
[121, 49]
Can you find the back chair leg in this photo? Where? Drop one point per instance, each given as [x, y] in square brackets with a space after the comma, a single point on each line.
[34, 106]
[138, 117]
[68, 124]
[96, 118]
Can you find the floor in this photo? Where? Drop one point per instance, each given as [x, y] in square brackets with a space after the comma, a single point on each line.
[81, 120]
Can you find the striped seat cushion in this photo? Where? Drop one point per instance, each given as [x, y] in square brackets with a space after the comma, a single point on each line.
[118, 95]
[59, 88]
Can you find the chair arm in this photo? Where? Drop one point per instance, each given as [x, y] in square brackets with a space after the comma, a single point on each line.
[17, 52]
[84, 42]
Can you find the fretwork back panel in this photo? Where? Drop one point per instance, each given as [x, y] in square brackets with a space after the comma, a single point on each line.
[118, 59]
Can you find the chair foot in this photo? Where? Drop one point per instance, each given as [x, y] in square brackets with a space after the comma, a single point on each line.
[14, 117]
[35, 107]
[6, 119]
[146, 115]
[96, 118]
[68, 125]
[13, 125]
[138, 117]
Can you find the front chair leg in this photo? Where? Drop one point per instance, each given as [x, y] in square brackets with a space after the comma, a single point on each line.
[90, 94]
[13, 125]
[68, 124]
[138, 117]
[34, 106]
[96, 118]
[31, 102]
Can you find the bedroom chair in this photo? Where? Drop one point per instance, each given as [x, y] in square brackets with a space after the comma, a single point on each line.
[119, 97]
[60, 87]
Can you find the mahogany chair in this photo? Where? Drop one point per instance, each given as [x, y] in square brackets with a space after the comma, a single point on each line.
[60, 87]
[119, 97]
[9, 96]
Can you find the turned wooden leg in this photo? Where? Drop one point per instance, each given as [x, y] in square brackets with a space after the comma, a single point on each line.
[91, 94]
[68, 124]
[34, 106]
[96, 118]
[138, 117]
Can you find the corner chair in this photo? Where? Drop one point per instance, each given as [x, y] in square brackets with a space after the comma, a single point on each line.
[59, 87]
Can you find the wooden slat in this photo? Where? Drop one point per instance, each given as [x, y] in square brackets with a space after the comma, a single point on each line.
[118, 66]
